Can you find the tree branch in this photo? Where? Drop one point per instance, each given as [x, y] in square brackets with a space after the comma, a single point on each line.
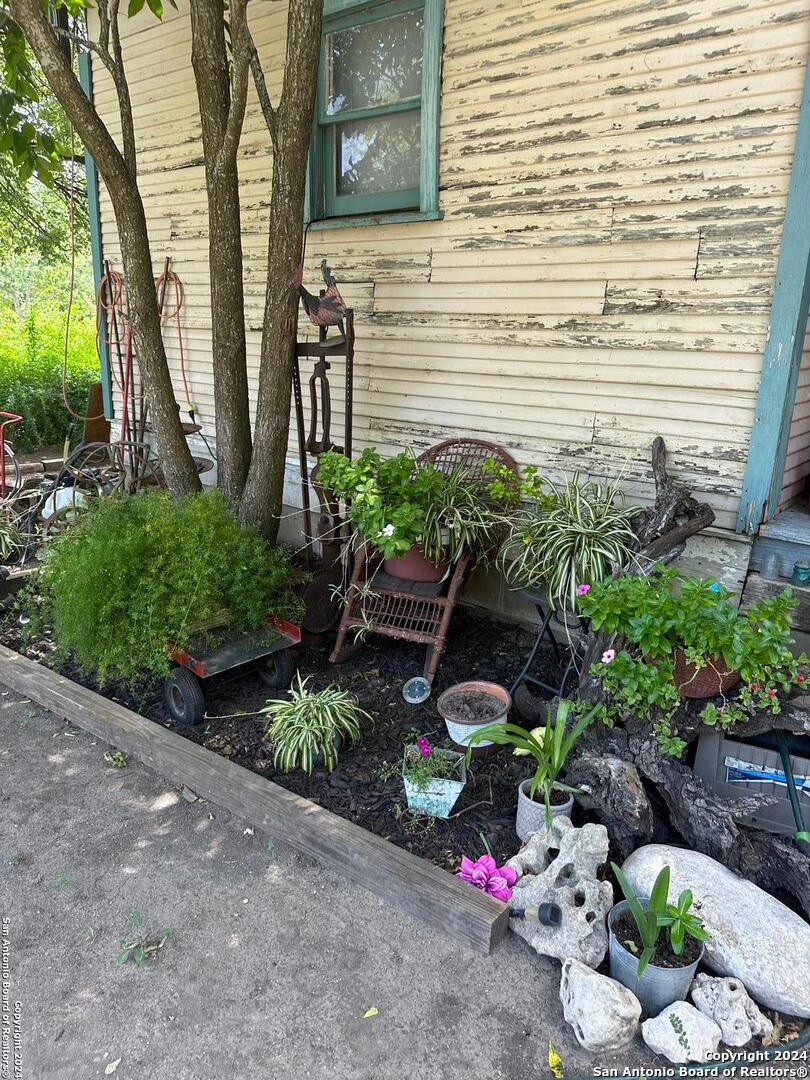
[262, 92]
[122, 90]
[243, 50]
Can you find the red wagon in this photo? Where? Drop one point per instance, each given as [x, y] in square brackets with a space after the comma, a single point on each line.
[266, 650]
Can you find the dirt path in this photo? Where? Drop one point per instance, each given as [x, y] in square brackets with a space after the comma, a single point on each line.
[272, 961]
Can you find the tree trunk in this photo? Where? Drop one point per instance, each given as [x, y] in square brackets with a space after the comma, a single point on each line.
[211, 71]
[261, 500]
[176, 460]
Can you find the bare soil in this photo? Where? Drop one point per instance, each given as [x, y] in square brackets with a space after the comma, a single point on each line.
[626, 930]
[472, 707]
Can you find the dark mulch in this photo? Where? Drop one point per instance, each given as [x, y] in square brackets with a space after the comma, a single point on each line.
[626, 930]
[366, 786]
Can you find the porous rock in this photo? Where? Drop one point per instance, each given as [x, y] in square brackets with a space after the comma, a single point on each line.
[681, 1033]
[754, 937]
[727, 1002]
[603, 1013]
[559, 865]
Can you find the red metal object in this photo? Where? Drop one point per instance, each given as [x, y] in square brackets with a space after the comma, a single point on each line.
[10, 418]
[243, 649]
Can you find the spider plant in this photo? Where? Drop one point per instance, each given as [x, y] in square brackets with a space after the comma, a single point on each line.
[577, 536]
[311, 724]
[462, 516]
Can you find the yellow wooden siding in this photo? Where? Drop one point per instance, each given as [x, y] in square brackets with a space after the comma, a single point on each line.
[613, 180]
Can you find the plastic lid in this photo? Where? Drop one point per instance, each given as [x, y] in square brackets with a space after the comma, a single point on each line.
[416, 690]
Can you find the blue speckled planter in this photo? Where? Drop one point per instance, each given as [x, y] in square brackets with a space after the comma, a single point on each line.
[440, 796]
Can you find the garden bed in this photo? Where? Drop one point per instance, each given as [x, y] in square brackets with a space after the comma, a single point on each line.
[367, 787]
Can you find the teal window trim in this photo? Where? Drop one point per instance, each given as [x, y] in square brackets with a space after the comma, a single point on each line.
[94, 213]
[323, 205]
[767, 449]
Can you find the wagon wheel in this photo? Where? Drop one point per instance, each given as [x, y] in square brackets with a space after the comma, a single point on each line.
[276, 670]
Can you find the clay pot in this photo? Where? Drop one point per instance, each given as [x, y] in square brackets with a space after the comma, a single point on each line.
[707, 682]
[460, 729]
[415, 566]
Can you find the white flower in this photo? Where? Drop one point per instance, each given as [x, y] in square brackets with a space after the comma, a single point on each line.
[387, 531]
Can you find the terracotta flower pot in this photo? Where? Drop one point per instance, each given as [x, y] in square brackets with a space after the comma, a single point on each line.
[460, 726]
[709, 681]
[415, 566]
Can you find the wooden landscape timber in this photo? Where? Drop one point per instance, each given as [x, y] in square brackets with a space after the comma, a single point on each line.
[405, 881]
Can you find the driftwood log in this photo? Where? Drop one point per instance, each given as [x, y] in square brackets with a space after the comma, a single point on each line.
[644, 795]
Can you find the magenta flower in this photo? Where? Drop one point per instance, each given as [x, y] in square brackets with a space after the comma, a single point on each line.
[485, 875]
[608, 656]
[424, 745]
[583, 589]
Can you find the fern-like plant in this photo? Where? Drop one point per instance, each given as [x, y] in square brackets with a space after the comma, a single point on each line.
[311, 724]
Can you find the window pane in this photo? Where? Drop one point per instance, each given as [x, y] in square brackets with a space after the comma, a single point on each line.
[375, 63]
[377, 154]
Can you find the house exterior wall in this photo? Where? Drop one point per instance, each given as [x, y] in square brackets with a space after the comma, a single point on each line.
[613, 178]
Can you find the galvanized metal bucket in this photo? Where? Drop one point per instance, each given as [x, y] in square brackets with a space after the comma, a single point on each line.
[658, 986]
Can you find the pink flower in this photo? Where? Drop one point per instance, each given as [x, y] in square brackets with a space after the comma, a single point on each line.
[487, 876]
[608, 656]
[771, 692]
[424, 745]
[583, 589]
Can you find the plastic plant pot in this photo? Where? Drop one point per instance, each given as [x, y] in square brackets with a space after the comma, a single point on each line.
[531, 815]
[658, 986]
[461, 730]
[440, 796]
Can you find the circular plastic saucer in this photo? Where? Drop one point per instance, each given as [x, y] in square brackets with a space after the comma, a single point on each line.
[416, 690]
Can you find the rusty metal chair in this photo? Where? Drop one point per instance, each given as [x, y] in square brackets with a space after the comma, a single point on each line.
[413, 611]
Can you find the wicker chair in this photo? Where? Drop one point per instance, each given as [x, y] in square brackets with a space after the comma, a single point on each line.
[414, 611]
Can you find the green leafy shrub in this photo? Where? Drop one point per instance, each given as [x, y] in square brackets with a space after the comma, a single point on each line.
[134, 573]
[31, 358]
[398, 502]
[661, 613]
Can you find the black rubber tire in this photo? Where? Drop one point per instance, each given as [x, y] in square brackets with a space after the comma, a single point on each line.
[276, 670]
[184, 697]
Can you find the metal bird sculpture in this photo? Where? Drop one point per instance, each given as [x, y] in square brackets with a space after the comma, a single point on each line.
[328, 309]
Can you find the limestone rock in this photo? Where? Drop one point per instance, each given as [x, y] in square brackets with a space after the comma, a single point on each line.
[727, 1002]
[603, 1013]
[681, 1033]
[755, 938]
[558, 866]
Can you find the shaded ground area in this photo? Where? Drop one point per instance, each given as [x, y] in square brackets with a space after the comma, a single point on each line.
[272, 961]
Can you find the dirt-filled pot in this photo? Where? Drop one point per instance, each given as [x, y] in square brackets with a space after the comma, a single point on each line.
[658, 986]
[706, 682]
[531, 814]
[414, 565]
[469, 706]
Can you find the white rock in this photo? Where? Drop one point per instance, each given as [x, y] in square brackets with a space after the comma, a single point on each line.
[559, 866]
[727, 1002]
[681, 1033]
[603, 1013]
[755, 938]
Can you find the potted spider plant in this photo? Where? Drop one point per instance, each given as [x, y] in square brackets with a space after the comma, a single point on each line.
[418, 517]
[549, 747]
[310, 727]
[433, 778]
[563, 537]
[658, 968]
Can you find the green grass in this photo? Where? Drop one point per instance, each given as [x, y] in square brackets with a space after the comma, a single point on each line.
[31, 357]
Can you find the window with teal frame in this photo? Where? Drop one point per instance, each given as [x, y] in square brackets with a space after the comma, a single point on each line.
[375, 147]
